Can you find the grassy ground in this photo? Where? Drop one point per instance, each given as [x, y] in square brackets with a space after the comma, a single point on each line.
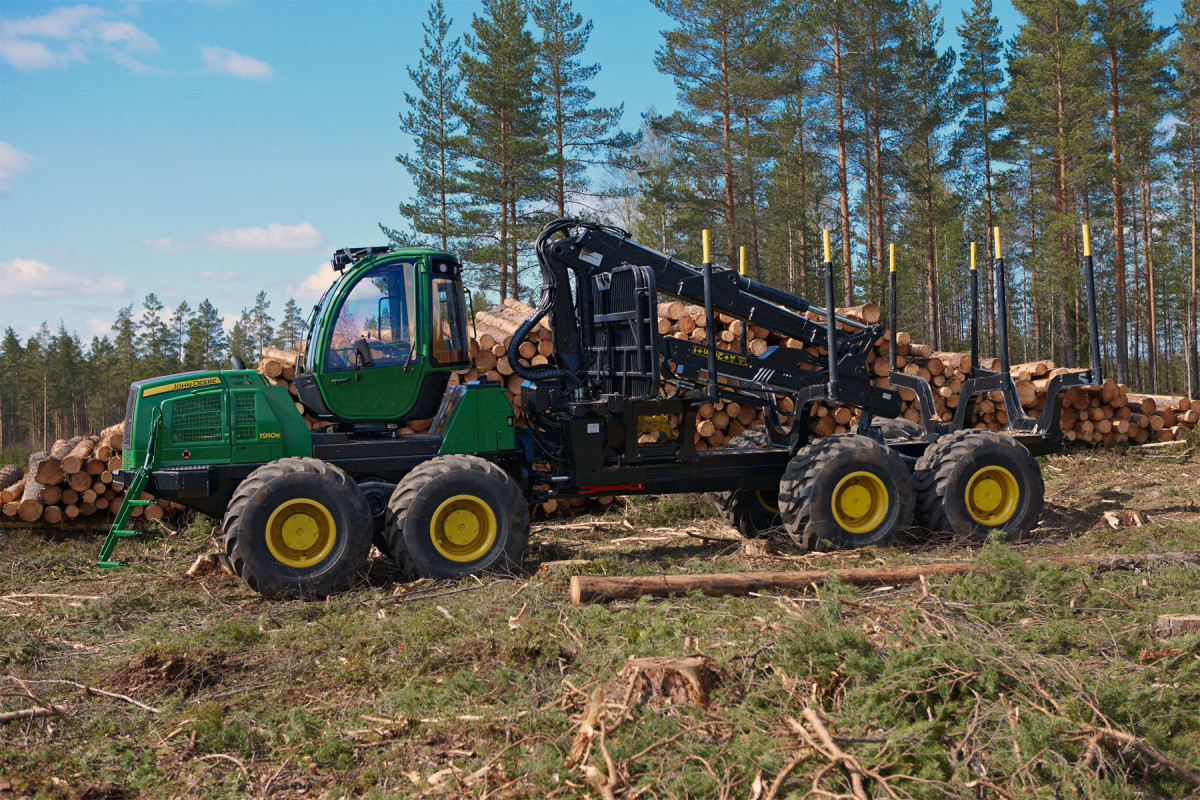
[1029, 681]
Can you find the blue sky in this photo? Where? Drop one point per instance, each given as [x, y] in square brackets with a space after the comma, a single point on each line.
[213, 149]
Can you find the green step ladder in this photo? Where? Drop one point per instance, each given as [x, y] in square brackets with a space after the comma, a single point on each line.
[133, 493]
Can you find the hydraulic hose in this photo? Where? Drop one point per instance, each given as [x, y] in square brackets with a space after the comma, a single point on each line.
[545, 304]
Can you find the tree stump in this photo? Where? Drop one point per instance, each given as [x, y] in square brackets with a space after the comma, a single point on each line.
[665, 681]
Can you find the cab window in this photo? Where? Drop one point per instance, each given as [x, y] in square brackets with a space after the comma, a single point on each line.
[449, 317]
[381, 308]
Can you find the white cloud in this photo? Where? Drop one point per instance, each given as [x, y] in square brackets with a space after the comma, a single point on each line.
[273, 238]
[68, 34]
[26, 277]
[165, 244]
[312, 287]
[216, 275]
[95, 326]
[224, 61]
[12, 162]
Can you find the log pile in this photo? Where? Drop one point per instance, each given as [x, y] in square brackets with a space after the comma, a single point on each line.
[73, 481]
[1103, 415]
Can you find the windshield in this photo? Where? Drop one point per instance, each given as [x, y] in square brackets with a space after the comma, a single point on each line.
[380, 309]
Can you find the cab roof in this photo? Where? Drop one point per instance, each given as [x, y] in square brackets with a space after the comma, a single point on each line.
[348, 256]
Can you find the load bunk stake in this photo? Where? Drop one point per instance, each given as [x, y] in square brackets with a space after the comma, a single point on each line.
[709, 320]
[830, 324]
[1097, 371]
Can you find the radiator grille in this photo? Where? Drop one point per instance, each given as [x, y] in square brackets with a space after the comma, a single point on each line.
[243, 415]
[127, 436]
[198, 419]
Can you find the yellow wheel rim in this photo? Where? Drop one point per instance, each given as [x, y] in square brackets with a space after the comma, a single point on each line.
[992, 496]
[769, 506]
[463, 528]
[301, 533]
[860, 502]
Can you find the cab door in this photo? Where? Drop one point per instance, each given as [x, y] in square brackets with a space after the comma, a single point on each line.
[380, 309]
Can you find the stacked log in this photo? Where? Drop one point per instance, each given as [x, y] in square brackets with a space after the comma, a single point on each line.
[1096, 415]
[73, 481]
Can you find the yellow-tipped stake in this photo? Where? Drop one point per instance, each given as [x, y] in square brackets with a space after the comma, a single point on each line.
[1096, 371]
[830, 329]
[891, 258]
[704, 243]
[742, 260]
[972, 256]
[999, 247]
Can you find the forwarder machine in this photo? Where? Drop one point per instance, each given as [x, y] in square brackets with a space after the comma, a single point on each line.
[300, 508]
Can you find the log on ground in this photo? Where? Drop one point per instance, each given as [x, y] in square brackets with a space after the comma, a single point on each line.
[601, 588]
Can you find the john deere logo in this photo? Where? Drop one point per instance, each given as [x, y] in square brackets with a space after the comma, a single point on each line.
[269, 435]
[194, 383]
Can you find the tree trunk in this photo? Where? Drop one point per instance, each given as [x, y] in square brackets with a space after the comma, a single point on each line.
[843, 180]
[727, 154]
[990, 302]
[1062, 204]
[931, 298]
[1148, 264]
[804, 195]
[1194, 385]
[1118, 194]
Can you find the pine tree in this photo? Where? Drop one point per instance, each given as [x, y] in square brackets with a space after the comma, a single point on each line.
[291, 327]
[126, 343]
[1052, 102]
[880, 29]
[580, 135]
[978, 92]
[12, 388]
[503, 115]
[707, 55]
[662, 213]
[432, 120]
[927, 82]
[259, 325]
[241, 341]
[1186, 62]
[206, 342]
[1130, 47]
[107, 396]
[178, 331]
[154, 337]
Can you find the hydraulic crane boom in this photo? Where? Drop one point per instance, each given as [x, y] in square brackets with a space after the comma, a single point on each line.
[603, 326]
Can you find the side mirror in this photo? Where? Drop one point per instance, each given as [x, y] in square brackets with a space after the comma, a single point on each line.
[363, 351]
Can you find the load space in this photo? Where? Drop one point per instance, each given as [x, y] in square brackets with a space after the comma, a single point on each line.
[367, 441]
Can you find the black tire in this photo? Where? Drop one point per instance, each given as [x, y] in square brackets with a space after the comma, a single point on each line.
[820, 470]
[752, 512]
[377, 492]
[946, 470]
[898, 428]
[256, 540]
[418, 511]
